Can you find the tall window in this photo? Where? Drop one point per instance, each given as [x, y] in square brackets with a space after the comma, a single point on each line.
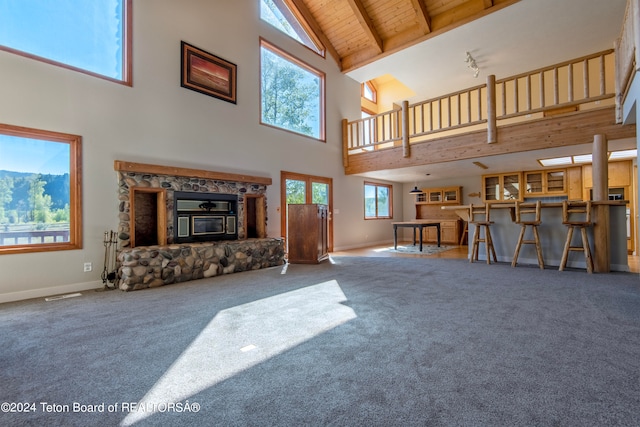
[378, 201]
[368, 91]
[40, 208]
[285, 16]
[92, 37]
[292, 93]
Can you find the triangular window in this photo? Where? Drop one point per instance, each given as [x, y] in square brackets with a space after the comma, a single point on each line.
[284, 15]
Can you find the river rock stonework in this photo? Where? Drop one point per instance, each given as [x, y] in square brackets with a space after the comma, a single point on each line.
[127, 180]
[153, 266]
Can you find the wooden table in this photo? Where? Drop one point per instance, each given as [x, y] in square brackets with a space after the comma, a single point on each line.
[417, 224]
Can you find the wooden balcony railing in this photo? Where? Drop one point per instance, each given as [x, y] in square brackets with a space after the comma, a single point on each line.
[374, 131]
[30, 237]
[581, 83]
[453, 111]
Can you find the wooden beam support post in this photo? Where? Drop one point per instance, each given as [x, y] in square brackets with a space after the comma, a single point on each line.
[600, 171]
[406, 148]
[492, 127]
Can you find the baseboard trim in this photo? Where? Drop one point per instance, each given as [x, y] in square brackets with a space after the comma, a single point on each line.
[47, 292]
[363, 245]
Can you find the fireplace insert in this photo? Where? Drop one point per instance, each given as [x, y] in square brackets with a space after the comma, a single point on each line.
[201, 217]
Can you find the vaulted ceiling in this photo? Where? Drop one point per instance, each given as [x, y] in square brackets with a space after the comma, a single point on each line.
[358, 32]
[422, 44]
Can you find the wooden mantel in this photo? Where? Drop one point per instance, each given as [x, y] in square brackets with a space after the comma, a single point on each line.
[123, 166]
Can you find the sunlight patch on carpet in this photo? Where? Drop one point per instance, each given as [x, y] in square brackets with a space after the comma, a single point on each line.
[221, 350]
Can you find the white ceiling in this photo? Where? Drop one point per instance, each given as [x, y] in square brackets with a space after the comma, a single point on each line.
[525, 36]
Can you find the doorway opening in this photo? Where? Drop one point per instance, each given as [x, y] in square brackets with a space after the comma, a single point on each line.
[297, 188]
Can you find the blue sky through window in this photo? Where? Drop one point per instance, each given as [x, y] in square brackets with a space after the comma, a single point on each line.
[33, 155]
[86, 34]
[270, 13]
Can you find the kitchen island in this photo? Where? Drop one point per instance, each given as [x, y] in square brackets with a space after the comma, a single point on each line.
[608, 235]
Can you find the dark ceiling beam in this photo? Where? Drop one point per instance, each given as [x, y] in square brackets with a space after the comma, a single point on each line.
[424, 20]
[366, 23]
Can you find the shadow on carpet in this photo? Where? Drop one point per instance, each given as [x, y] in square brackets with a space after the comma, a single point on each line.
[415, 249]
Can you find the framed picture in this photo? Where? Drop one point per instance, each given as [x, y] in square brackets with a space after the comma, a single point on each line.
[208, 74]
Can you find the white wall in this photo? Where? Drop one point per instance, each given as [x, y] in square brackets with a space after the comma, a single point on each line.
[157, 121]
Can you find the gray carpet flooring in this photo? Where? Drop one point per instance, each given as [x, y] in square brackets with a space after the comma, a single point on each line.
[357, 342]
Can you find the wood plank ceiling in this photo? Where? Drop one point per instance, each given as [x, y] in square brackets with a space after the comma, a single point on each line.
[358, 32]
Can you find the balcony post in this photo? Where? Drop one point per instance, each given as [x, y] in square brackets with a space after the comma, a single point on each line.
[600, 178]
[406, 149]
[345, 142]
[491, 110]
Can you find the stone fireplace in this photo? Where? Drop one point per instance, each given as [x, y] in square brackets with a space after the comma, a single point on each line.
[159, 204]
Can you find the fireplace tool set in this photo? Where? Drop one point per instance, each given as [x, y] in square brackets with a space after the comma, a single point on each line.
[109, 271]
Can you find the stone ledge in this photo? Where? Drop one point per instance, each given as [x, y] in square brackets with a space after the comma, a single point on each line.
[152, 266]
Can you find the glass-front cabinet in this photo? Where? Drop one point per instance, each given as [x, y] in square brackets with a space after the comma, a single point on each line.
[502, 187]
[541, 183]
[435, 196]
[533, 183]
[555, 181]
[440, 195]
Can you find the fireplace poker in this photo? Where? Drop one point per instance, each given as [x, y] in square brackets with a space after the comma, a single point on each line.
[110, 243]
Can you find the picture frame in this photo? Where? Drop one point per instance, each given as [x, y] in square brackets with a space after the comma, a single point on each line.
[207, 73]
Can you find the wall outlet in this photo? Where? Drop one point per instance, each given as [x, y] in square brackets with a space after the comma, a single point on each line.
[88, 267]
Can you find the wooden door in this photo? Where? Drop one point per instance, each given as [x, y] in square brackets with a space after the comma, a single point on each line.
[297, 188]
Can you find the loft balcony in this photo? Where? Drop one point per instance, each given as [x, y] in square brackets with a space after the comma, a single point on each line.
[560, 105]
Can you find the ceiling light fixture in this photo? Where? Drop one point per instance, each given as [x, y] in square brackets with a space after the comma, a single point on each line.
[471, 63]
[415, 190]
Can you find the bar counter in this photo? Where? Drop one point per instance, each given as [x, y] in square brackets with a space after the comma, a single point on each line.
[608, 235]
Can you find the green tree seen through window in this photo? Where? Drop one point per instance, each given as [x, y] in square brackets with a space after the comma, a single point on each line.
[377, 201]
[291, 94]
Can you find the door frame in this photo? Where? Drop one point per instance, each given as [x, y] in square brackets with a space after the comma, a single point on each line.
[284, 175]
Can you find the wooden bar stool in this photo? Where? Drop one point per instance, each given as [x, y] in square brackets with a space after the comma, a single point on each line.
[577, 215]
[480, 217]
[528, 215]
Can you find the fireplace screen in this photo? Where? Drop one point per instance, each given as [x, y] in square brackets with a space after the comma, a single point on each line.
[204, 217]
[207, 224]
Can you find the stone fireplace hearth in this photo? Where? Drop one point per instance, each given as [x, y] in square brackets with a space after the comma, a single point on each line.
[147, 192]
[149, 253]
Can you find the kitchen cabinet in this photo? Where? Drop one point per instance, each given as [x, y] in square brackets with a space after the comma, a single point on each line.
[502, 187]
[619, 174]
[307, 233]
[439, 195]
[574, 183]
[545, 182]
[449, 232]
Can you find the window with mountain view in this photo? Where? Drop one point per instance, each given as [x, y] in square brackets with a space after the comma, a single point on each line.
[39, 190]
[291, 93]
[92, 37]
